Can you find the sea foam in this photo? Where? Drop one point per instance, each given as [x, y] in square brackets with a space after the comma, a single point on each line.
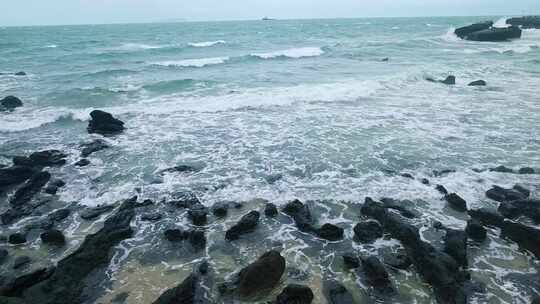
[196, 63]
[206, 43]
[291, 53]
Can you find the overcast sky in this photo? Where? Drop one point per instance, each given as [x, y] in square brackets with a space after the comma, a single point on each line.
[35, 12]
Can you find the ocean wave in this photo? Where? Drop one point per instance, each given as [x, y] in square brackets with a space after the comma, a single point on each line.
[196, 63]
[291, 53]
[206, 43]
[110, 73]
[395, 27]
[137, 47]
[51, 46]
[451, 36]
[514, 49]
[501, 23]
[28, 117]
[172, 86]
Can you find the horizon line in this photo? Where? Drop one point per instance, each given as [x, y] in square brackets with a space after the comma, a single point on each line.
[184, 20]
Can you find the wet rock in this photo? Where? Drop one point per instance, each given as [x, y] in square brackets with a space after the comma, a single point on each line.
[197, 239]
[526, 237]
[295, 294]
[487, 217]
[377, 276]
[351, 261]
[261, 275]
[11, 300]
[184, 199]
[501, 169]
[30, 188]
[477, 83]
[398, 259]
[13, 287]
[104, 123]
[67, 282]
[523, 207]
[58, 215]
[496, 34]
[94, 146]
[399, 206]
[450, 80]
[526, 22]
[82, 163]
[367, 231]
[180, 169]
[463, 32]
[526, 170]
[424, 181]
[330, 232]
[456, 202]
[175, 235]
[190, 291]
[3, 255]
[407, 175]
[53, 186]
[93, 212]
[273, 178]
[270, 210]
[455, 245]
[536, 300]
[441, 189]
[439, 173]
[436, 268]
[17, 238]
[526, 192]
[335, 293]
[198, 214]
[21, 261]
[151, 217]
[21, 73]
[53, 237]
[300, 214]
[46, 158]
[475, 230]
[9, 103]
[220, 209]
[500, 194]
[15, 175]
[247, 224]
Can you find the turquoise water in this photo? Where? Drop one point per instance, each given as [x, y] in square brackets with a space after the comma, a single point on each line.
[308, 101]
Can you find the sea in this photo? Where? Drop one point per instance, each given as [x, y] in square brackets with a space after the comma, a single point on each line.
[326, 111]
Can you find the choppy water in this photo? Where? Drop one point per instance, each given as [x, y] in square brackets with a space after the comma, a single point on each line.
[309, 101]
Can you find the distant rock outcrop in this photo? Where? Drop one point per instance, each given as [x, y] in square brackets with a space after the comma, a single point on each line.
[9, 103]
[526, 22]
[104, 123]
[484, 31]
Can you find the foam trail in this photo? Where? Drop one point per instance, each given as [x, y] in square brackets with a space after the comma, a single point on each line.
[206, 43]
[291, 53]
[196, 63]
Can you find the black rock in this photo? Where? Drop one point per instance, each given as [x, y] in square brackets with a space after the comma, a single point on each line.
[441, 189]
[184, 199]
[487, 217]
[300, 214]
[496, 34]
[407, 175]
[455, 245]
[475, 230]
[151, 217]
[93, 212]
[456, 202]
[377, 276]
[9, 103]
[477, 83]
[525, 236]
[21, 73]
[14, 286]
[3, 255]
[526, 22]
[82, 163]
[522, 207]
[501, 169]
[33, 186]
[175, 235]
[261, 275]
[197, 238]
[68, 281]
[180, 169]
[450, 80]
[504, 195]
[398, 259]
[15, 175]
[424, 181]
[335, 293]
[198, 214]
[386, 59]
[399, 206]
[247, 224]
[439, 173]
[17, 238]
[59, 215]
[104, 123]
[21, 261]
[270, 210]
[330, 232]
[190, 291]
[463, 32]
[526, 170]
[522, 189]
[295, 294]
[94, 146]
[220, 209]
[46, 158]
[53, 185]
[53, 237]
[367, 231]
[351, 261]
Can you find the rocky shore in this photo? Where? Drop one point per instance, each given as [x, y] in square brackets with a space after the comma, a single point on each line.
[80, 273]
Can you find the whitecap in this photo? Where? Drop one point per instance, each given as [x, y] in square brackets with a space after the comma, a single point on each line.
[196, 63]
[450, 36]
[206, 43]
[501, 23]
[137, 46]
[51, 46]
[395, 27]
[291, 53]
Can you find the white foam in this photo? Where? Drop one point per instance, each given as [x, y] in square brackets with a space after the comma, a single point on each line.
[395, 27]
[27, 117]
[518, 49]
[197, 63]
[450, 36]
[51, 46]
[138, 46]
[206, 43]
[501, 23]
[292, 53]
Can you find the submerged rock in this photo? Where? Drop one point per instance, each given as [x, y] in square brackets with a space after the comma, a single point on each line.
[32, 187]
[190, 291]
[53, 186]
[175, 235]
[46, 158]
[351, 261]
[441, 189]
[456, 202]
[3, 255]
[270, 210]
[502, 169]
[525, 236]
[53, 237]
[335, 293]
[104, 123]
[184, 199]
[526, 170]
[295, 294]
[180, 169]
[13, 287]
[21, 261]
[198, 214]
[367, 231]
[261, 275]
[522, 207]
[488, 217]
[93, 212]
[450, 80]
[58, 215]
[17, 238]
[9, 103]
[220, 209]
[246, 224]
[475, 230]
[151, 217]
[377, 276]
[94, 146]
[330, 232]
[15, 175]
[455, 245]
[300, 214]
[477, 83]
[398, 259]
[399, 206]
[82, 163]
[500, 194]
